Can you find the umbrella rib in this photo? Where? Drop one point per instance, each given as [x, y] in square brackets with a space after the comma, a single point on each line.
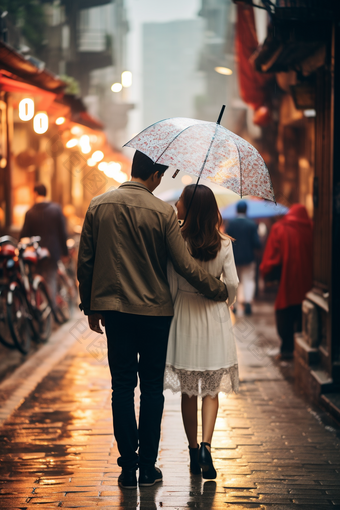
[204, 162]
[239, 158]
[208, 152]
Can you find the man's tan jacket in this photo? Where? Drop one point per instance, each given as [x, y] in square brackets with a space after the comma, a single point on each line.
[127, 238]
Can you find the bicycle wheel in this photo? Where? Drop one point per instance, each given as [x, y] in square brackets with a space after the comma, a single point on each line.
[43, 312]
[63, 302]
[19, 320]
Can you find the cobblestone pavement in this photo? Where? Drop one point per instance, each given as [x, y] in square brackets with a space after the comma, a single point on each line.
[271, 448]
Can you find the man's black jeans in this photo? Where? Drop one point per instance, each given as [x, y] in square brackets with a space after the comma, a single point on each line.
[137, 344]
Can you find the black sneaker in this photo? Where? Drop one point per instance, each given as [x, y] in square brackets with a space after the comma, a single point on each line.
[128, 479]
[149, 476]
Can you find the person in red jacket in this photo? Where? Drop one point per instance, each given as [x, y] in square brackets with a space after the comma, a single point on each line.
[288, 253]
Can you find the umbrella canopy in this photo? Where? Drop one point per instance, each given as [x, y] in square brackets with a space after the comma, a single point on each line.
[209, 151]
[255, 209]
[223, 197]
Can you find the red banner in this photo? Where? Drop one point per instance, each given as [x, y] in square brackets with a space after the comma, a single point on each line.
[253, 85]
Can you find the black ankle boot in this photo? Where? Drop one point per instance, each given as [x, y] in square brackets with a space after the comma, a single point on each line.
[206, 463]
[194, 466]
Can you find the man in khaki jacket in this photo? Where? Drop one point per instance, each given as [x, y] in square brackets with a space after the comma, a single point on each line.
[127, 238]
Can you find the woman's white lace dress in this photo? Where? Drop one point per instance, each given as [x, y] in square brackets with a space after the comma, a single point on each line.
[201, 357]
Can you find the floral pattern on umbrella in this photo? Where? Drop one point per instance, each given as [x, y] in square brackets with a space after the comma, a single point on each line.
[192, 145]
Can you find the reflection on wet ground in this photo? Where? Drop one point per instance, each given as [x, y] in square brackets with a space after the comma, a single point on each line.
[270, 448]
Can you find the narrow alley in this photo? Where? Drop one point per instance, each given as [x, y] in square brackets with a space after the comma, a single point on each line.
[272, 449]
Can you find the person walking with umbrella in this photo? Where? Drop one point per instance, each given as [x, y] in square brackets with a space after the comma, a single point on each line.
[244, 231]
[206, 150]
[127, 238]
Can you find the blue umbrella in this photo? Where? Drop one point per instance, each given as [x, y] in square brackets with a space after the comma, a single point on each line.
[255, 209]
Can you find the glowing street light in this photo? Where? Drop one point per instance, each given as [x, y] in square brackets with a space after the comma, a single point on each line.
[116, 87]
[102, 166]
[40, 123]
[113, 170]
[26, 109]
[97, 156]
[72, 143]
[223, 70]
[76, 130]
[60, 120]
[91, 162]
[126, 79]
[84, 143]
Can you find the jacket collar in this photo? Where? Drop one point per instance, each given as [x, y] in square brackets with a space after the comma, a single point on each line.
[135, 184]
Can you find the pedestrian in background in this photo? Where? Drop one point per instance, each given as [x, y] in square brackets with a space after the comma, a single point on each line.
[288, 258]
[127, 238]
[244, 231]
[45, 219]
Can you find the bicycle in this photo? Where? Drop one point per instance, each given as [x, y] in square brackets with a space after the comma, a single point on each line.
[16, 328]
[33, 285]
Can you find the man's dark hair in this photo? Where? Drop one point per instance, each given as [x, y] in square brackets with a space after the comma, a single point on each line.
[40, 189]
[143, 166]
[242, 207]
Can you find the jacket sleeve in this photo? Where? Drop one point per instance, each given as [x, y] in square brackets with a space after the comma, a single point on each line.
[229, 275]
[272, 256]
[85, 266]
[186, 266]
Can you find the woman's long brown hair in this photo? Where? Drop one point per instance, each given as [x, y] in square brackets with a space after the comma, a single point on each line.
[202, 227]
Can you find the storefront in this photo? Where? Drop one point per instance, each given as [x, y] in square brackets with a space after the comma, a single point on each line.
[47, 136]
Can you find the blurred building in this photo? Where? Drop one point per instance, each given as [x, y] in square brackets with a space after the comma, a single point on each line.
[216, 57]
[171, 80]
[86, 41]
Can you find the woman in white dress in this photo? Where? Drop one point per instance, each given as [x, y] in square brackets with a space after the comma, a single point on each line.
[201, 358]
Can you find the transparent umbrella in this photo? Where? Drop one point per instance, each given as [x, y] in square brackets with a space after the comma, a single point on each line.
[207, 150]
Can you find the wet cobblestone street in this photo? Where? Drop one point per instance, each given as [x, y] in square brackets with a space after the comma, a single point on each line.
[271, 448]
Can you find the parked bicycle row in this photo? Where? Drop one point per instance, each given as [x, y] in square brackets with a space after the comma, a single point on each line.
[27, 305]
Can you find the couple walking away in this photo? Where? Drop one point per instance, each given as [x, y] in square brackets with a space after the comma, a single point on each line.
[157, 290]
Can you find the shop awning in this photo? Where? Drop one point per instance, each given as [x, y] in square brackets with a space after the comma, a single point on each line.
[11, 85]
[21, 67]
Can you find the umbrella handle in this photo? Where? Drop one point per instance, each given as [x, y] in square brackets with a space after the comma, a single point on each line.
[175, 174]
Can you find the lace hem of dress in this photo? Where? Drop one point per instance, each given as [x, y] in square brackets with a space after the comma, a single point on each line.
[201, 383]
